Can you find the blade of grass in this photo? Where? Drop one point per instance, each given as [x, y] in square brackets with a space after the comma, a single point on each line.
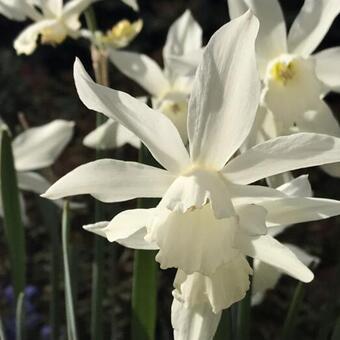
[224, 330]
[144, 285]
[290, 322]
[70, 315]
[20, 317]
[51, 216]
[14, 229]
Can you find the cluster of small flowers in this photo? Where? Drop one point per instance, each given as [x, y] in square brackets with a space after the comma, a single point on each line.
[247, 106]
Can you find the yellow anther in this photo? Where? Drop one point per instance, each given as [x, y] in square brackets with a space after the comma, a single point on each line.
[283, 71]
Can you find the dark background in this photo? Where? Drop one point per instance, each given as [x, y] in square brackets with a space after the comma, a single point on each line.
[41, 86]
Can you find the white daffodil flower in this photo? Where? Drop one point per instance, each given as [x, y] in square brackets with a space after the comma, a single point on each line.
[53, 21]
[203, 185]
[37, 148]
[169, 89]
[294, 80]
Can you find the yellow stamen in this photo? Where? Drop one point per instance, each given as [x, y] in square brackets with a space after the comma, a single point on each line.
[283, 71]
[53, 36]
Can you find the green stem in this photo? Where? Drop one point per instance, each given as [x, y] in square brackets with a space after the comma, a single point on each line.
[70, 315]
[290, 322]
[19, 317]
[144, 286]
[224, 330]
[14, 229]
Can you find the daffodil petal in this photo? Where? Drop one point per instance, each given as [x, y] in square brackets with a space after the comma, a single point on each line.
[32, 181]
[184, 36]
[111, 180]
[39, 147]
[198, 322]
[281, 154]
[26, 41]
[327, 67]
[299, 186]
[154, 129]
[291, 210]
[272, 38]
[132, 3]
[218, 121]
[142, 69]
[311, 25]
[272, 252]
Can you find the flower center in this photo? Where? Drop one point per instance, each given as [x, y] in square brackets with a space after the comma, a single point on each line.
[122, 33]
[53, 35]
[282, 70]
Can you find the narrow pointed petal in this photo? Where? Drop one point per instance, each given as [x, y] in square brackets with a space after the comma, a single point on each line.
[111, 180]
[272, 252]
[110, 135]
[299, 186]
[32, 181]
[198, 322]
[227, 285]
[272, 38]
[266, 276]
[12, 10]
[142, 69]
[220, 113]
[311, 25]
[281, 154]
[186, 64]
[74, 8]
[291, 210]
[154, 129]
[327, 67]
[127, 228]
[252, 219]
[184, 36]
[39, 147]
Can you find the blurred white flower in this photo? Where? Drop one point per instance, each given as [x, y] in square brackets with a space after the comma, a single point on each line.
[294, 80]
[53, 21]
[37, 148]
[169, 89]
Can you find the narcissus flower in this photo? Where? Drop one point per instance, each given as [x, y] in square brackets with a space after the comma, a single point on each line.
[208, 218]
[295, 81]
[53, 21]
[37, 148]
[169, 89]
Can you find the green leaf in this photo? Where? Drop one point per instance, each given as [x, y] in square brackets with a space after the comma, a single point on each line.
[70, 315]
[224, 330]
[14, 229]
[19, 316]
[290, 322]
